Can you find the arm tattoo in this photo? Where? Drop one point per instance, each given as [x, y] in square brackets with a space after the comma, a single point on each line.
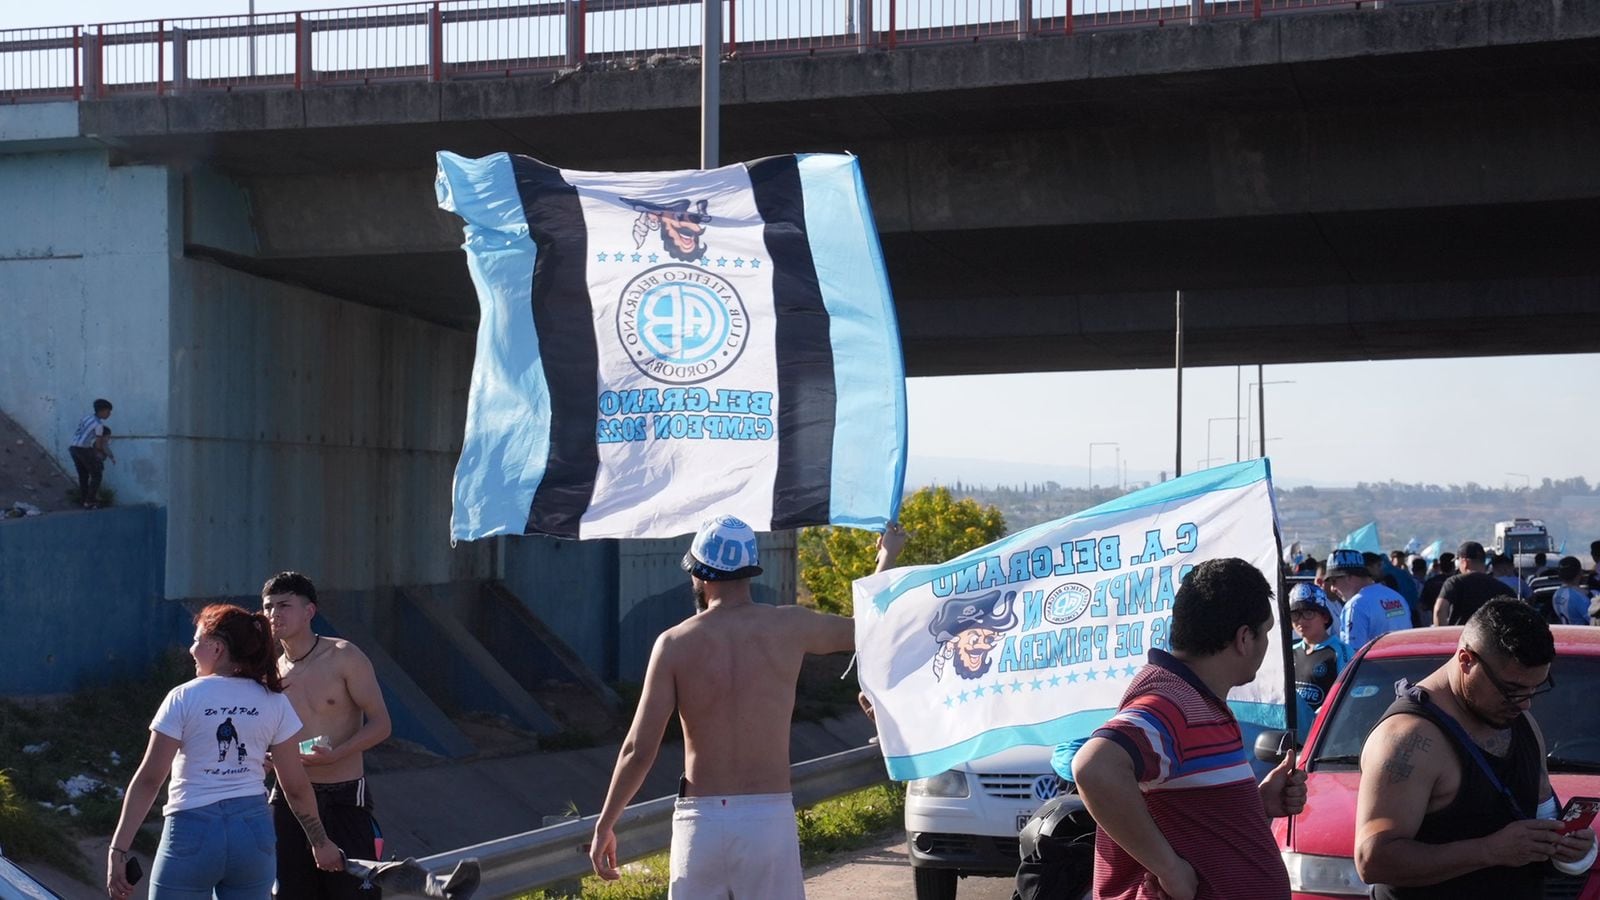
[313, 828]
[1398, 766]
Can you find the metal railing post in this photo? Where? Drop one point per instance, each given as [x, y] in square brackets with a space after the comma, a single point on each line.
[77, 62]
[94, 61]
[733, 30]
[435, 43]
[1024, 19]
[180, 60]
[892, 5]
[1069, 17]
[575, 15]
[864, 32]
[161, 56]
[1256, 10]
[302, 52]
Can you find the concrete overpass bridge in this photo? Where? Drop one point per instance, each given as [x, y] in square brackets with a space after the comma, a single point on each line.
[1368, 183]
[255, 271]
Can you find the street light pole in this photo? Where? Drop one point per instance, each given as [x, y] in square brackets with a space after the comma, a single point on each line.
[1094, 444]
[1261, 396]
[1214, 420]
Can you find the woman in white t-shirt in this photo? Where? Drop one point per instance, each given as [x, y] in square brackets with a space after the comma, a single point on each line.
[212, 735]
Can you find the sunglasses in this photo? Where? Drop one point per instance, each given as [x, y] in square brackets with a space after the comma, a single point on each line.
[1512, 694]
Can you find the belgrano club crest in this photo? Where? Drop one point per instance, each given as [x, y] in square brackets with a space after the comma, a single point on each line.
[654, 345]
[681, 324]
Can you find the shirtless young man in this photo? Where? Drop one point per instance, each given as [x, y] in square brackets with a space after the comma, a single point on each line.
[333, 690]
[730, 672]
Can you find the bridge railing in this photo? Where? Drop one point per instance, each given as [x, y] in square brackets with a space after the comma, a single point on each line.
[438, 40]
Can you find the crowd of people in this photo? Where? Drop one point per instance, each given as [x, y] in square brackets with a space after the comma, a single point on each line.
[1454, 798]
[1454, 801]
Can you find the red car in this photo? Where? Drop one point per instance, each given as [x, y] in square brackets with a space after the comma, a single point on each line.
[1319, 846]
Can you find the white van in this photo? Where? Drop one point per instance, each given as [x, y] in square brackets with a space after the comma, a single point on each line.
[965, 821]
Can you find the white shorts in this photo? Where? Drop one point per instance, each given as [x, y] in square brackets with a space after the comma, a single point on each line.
[739, 847]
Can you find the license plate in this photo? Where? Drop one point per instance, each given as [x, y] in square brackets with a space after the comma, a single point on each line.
[1022, 819]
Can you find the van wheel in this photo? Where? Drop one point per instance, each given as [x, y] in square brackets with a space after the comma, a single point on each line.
[934, 884]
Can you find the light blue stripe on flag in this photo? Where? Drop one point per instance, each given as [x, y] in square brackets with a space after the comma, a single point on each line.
[508, 413]
[1220, 478]
[869, 377]
[1044, 734]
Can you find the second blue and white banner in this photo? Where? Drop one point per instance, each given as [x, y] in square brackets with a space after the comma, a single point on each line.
[1033, 639]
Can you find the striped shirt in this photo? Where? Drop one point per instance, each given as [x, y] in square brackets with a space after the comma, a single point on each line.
[1189, 759]
[90, 428]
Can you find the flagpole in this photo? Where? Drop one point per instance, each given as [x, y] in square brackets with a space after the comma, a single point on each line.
[710, 83]
[1177, 455]
[1261, 407]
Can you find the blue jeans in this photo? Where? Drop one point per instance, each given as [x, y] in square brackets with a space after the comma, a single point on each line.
[228, 847]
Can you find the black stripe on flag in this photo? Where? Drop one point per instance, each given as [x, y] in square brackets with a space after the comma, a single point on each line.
[563, 319]
[806, 396]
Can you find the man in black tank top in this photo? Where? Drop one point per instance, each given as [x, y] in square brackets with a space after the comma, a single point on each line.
[1453, 776]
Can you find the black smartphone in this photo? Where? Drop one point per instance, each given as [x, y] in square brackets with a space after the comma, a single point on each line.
[132, 870]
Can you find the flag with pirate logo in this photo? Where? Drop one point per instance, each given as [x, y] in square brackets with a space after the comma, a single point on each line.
[1032, 640]
[658, 346]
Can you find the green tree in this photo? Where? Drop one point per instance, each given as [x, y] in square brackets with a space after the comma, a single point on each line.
[938, 527]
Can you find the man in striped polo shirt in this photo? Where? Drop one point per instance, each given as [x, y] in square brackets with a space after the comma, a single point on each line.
[1179, 812]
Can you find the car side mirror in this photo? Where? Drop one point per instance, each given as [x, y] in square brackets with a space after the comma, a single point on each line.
[1272, 746]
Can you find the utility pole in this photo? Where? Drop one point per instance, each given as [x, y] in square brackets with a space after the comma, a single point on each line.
[1177, 450]
[710, 84]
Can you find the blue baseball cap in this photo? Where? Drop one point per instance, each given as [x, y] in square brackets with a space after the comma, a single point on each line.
[1309, 596]
[724, 549]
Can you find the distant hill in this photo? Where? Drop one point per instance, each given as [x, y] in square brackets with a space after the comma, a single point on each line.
[1319, 517]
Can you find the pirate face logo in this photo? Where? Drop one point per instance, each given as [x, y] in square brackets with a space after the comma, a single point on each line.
[967, 629]
[682, 224]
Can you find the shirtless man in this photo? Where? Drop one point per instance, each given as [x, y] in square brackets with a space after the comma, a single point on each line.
[730, 672]
[333, 690]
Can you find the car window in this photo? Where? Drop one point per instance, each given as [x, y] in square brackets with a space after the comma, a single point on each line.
[1566, 714]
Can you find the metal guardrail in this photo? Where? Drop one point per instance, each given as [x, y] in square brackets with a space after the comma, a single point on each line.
[444, 40]
[545, 856]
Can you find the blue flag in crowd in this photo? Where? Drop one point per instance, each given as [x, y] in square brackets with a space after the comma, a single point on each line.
[1364, 539]
[657, 346]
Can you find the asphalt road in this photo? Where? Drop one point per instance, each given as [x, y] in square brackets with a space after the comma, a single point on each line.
[881, 871]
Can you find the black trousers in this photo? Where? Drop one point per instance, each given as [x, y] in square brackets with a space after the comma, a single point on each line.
[345, 811]
[90, 469]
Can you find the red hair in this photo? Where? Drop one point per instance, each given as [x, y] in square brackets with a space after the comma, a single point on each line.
[248, 639]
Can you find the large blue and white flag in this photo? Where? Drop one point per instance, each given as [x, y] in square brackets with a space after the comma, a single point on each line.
[1034, 638]
[658, 346]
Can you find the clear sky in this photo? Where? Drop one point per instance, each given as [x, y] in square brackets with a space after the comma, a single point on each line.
[1435, 420]
[1425, 420]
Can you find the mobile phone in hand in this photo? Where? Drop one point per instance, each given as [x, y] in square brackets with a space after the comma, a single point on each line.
[1579, 813]
[132, 871]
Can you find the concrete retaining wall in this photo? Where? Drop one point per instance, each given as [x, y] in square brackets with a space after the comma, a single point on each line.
[81, 597]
